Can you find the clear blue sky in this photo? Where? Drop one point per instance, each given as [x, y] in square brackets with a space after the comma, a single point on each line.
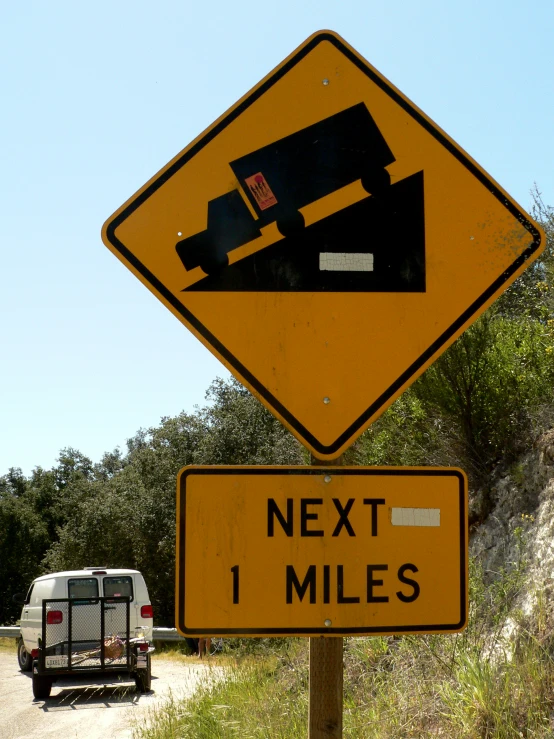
[97, 97]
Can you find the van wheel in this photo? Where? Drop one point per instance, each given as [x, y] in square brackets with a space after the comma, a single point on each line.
[41, 686]
[376, 182]
[23, 657]
[143, 678]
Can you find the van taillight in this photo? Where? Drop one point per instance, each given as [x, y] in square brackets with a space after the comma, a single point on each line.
[54, 617]
[34, 653]
[147, 612]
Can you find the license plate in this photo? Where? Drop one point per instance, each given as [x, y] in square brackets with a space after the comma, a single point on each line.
[59, 661]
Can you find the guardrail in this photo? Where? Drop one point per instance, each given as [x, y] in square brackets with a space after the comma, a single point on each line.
[161, 633]
[9, 631]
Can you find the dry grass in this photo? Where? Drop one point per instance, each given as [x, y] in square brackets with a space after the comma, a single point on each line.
[8, 645]
[474, 685]
[178, 652]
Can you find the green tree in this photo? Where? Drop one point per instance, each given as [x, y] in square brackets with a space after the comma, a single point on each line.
[410, 432]
[23, 541]
[123, 510]
[490, 384]
[483, 400]
[489, 395]
[239, 430]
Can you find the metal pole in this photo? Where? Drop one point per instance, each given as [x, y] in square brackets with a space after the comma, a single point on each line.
[326, 675]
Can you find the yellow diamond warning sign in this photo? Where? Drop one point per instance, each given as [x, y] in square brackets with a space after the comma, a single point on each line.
[325, 240]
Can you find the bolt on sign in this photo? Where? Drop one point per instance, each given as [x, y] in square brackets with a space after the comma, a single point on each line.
[321, 550]
[325, 240]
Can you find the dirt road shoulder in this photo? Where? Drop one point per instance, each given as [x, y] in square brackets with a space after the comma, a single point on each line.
[90, 708]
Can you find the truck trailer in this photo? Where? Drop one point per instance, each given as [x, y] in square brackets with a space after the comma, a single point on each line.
[284, 176]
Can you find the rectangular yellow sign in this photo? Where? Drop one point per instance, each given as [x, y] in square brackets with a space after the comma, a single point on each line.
[321, 550]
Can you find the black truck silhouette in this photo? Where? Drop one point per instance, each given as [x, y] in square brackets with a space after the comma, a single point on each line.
[286, 175]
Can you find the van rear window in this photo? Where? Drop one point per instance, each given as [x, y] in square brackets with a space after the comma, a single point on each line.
[118, 587]
[83, 587]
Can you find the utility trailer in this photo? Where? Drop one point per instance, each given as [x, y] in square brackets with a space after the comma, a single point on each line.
[280, 178]
[88, 636]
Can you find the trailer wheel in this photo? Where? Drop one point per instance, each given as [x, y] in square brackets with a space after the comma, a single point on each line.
[42, 685]
[376, 181]
[291, 224]
[143, 678]
[23, 657]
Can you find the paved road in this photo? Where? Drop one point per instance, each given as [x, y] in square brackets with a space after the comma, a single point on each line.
[90, 709]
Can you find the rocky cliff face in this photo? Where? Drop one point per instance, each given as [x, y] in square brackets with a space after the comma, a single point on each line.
[519, 530]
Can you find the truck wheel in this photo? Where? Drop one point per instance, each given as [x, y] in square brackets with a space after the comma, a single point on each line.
[213, 263]
[376, 182]
[143, 678]
[41, 686]
[291, 224]
[23, 657]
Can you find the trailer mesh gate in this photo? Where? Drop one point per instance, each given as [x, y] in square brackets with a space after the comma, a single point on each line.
[85, 634]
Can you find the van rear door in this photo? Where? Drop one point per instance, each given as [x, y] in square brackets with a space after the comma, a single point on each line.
[118, 586]
[83, 592]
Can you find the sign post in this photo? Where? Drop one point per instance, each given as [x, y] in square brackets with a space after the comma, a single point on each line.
[326, 688]
[321, 551]
[326, 679]
[327, 242]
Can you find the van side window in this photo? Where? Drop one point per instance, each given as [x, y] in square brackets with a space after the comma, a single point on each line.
[28, 598]
[118, 587]
[82, 588]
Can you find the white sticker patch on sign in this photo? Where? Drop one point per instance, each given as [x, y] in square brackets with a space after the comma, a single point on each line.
[416, 516]
[342, 262]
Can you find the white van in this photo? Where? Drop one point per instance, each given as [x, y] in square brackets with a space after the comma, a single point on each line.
[66, 615]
